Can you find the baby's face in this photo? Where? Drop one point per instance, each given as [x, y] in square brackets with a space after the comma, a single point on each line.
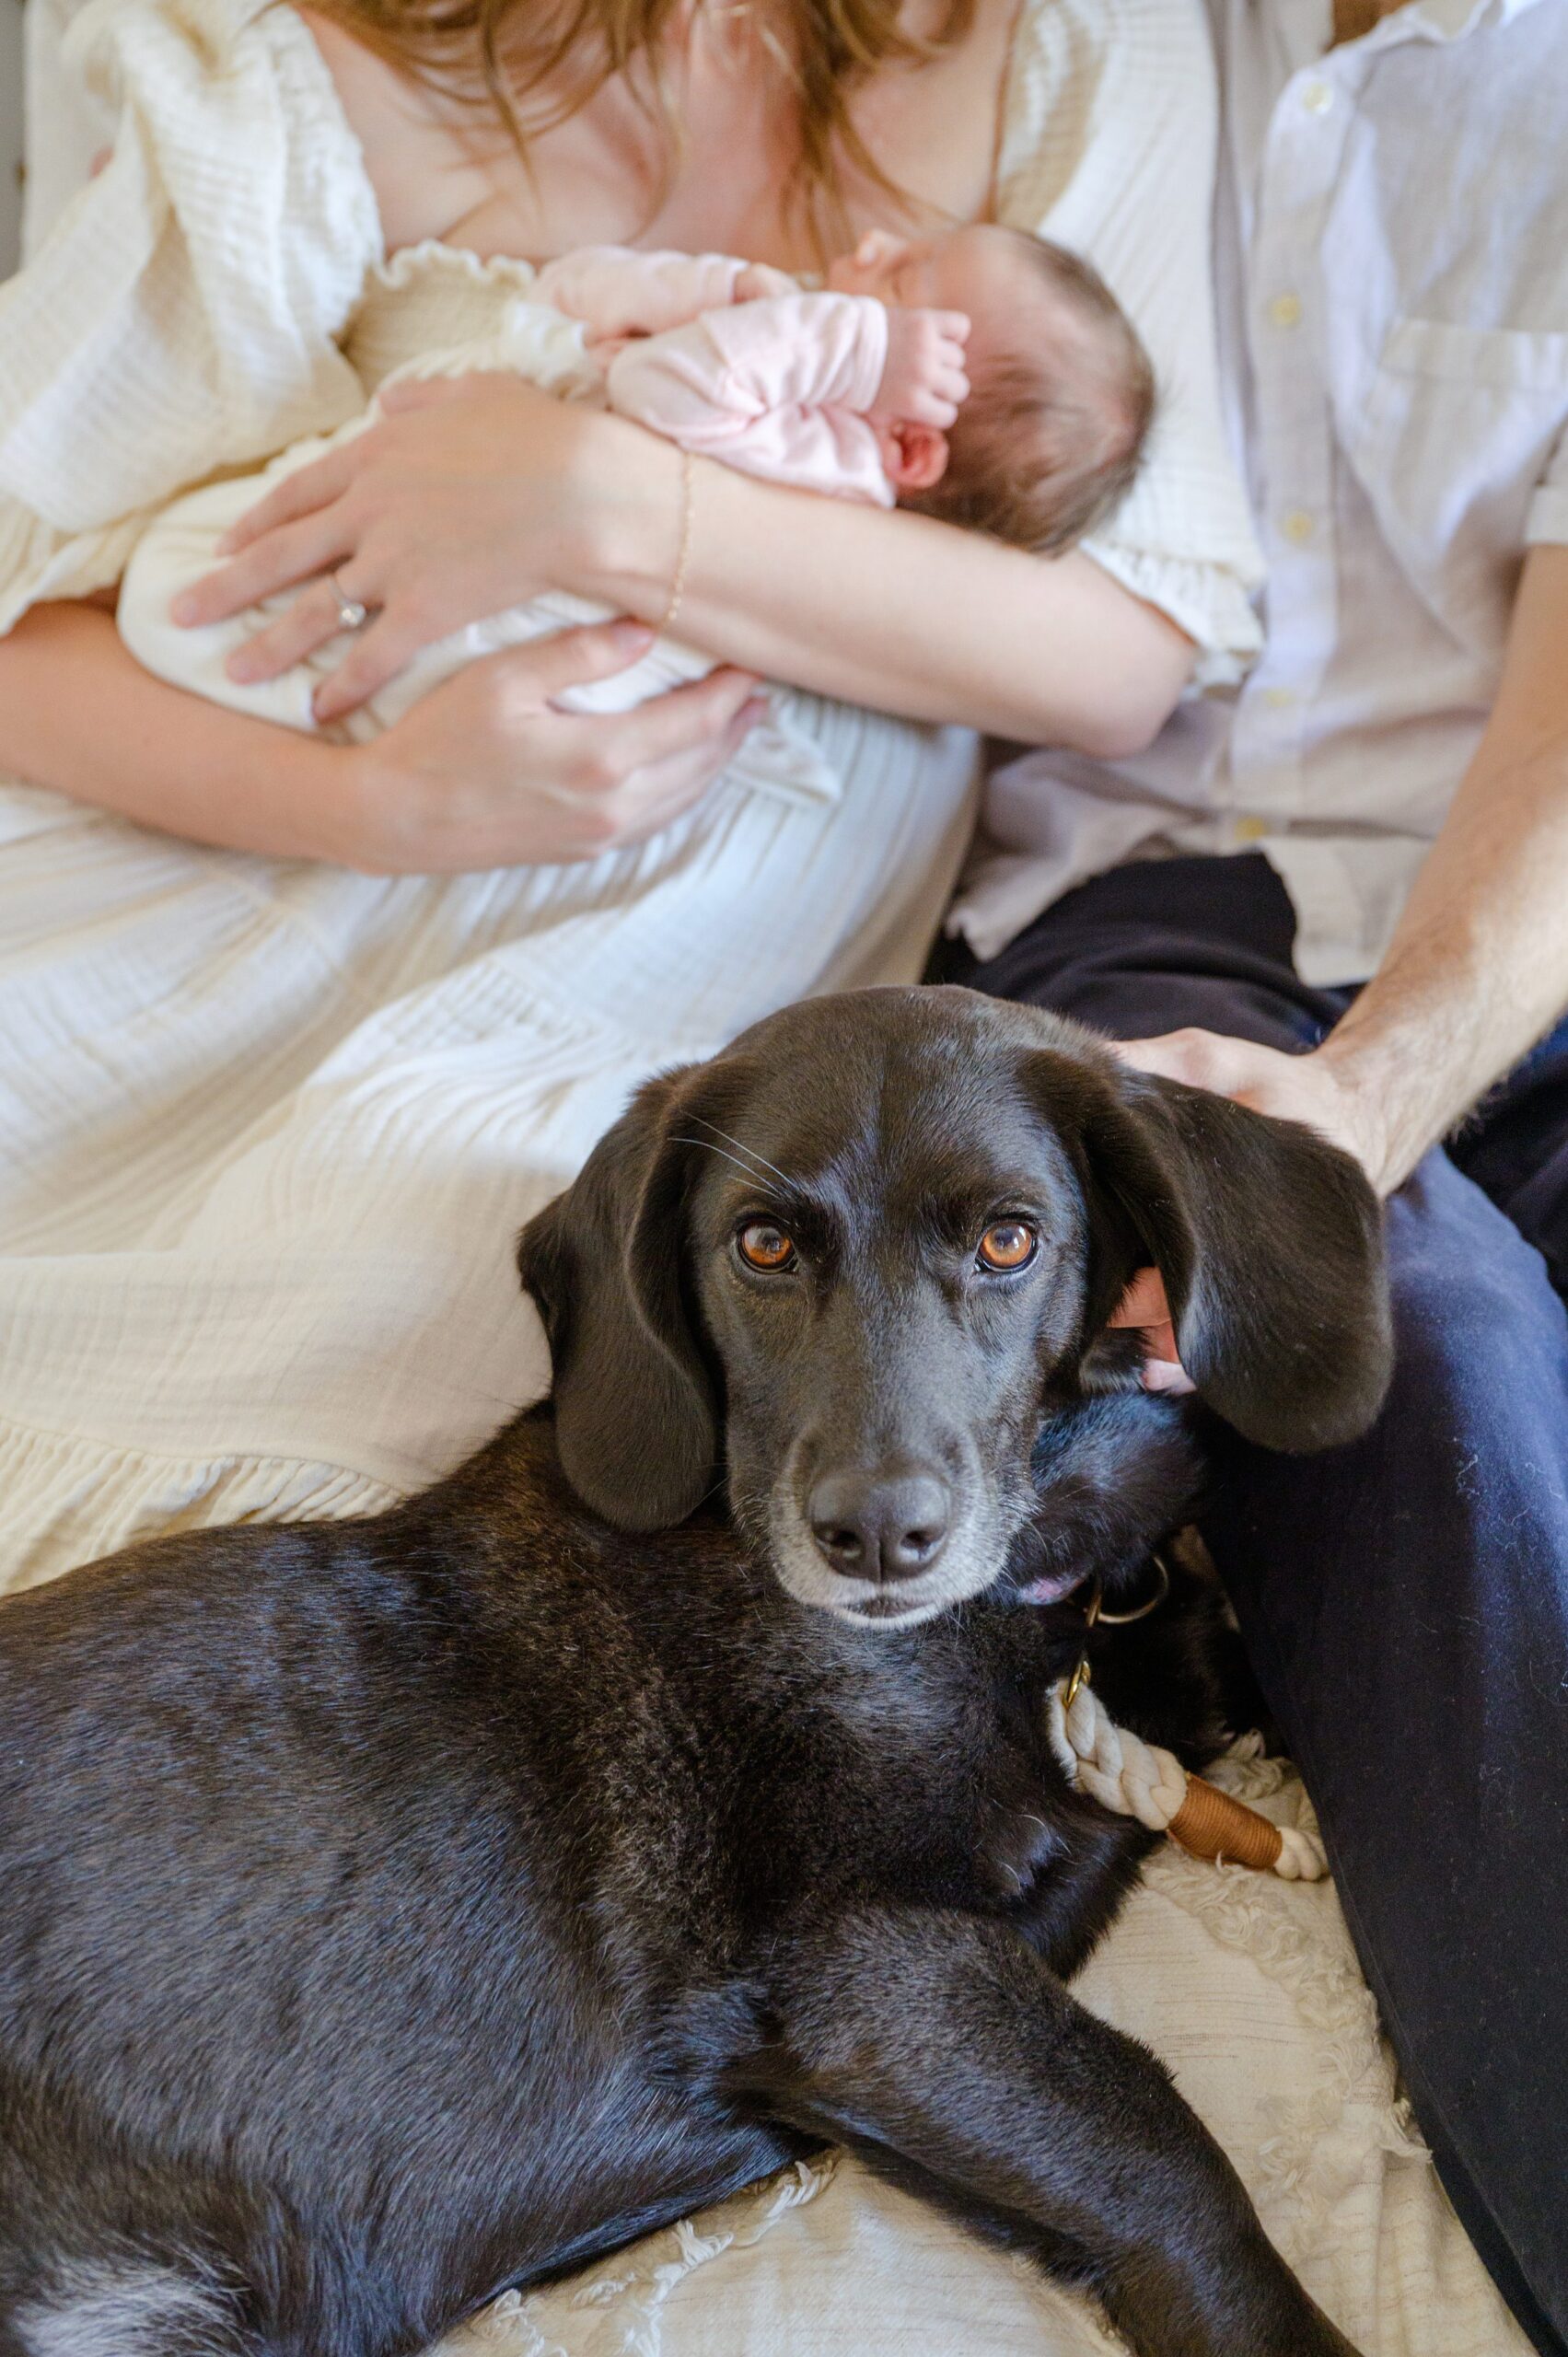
[979, 271]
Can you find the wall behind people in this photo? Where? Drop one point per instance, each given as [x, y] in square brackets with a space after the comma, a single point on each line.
[10, 134]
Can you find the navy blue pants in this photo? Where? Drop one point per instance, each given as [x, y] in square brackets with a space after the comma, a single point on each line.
[1405, 1601]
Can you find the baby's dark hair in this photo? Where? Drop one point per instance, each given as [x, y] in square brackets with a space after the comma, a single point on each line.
[1053, 433]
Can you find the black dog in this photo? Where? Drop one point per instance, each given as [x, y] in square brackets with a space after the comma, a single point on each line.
[396, 1910]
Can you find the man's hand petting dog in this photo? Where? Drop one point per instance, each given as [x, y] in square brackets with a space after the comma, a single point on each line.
[1314, 1087]
[396, 1910]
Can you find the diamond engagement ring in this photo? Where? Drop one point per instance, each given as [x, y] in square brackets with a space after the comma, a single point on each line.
[351, 613]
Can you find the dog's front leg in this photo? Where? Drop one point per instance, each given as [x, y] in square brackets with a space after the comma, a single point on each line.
[943, 2049]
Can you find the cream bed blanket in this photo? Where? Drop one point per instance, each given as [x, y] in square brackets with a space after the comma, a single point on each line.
[1249, 1990]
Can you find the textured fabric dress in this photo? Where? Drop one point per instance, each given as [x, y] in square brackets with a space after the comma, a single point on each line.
[267, 1128]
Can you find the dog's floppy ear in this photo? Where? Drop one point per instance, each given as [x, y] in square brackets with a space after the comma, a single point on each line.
[635, 1421]
[1269, 1241]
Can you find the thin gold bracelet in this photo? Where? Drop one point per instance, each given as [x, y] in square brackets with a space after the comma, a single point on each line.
[678, 586]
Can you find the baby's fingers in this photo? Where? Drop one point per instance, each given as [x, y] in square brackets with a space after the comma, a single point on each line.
[938, 403]
[930, 409]
[949, 369]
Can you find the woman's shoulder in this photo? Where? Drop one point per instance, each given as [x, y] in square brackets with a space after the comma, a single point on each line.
[233, 93]
[123, 49]
[1092, 85]
[1109, 145]
[184, 311]
[228, 119]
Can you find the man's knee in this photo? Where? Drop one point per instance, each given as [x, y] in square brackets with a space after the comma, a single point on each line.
[1167, 945]
[1450, 1516]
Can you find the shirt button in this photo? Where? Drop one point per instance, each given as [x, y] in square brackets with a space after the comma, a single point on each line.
[1285, 310]
[1298, 526]
[1249, 828]
[1318, 98]
[1279, 699]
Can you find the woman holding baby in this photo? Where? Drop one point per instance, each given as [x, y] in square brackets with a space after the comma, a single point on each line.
[290, 1055]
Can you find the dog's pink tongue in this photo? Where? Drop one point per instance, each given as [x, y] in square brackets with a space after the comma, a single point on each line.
[1052, 1589]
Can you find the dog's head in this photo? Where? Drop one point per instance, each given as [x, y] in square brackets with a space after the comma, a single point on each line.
[854, 1262]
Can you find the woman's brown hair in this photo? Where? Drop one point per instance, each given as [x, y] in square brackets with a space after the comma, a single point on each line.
[537, 61]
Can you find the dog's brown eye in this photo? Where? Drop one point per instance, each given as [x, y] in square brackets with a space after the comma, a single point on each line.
[763, 1246]
[1009, 1245]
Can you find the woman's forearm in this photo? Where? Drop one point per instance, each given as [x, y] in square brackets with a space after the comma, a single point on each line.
[892, 611]
[486, 770]
[77, 713]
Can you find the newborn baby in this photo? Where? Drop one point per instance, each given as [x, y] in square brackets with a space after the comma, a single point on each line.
[982, 375]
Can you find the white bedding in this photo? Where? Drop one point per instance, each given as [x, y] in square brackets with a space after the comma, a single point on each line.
[1249, 1990]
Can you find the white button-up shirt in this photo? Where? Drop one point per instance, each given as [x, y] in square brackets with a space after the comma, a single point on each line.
[1391, 241]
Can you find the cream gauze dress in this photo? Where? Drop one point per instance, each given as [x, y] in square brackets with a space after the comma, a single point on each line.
[267, 1128]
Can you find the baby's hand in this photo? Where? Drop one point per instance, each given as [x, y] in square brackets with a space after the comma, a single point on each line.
[922, 379]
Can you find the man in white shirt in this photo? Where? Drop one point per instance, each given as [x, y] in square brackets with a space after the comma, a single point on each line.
[1387, 795]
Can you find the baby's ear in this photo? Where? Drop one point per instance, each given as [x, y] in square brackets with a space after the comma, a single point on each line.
[915, 458]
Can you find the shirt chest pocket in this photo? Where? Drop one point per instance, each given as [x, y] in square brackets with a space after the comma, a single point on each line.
[1458, 427]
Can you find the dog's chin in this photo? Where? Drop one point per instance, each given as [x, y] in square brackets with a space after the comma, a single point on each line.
[959, 1574]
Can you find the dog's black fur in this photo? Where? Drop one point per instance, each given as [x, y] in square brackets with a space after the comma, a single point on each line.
[396, 1910]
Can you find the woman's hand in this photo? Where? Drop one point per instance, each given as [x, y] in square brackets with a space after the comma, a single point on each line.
[485, 772]
[478, 492]
[473, 495]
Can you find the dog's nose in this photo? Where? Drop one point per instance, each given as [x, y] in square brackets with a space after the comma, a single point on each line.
[880, 1525]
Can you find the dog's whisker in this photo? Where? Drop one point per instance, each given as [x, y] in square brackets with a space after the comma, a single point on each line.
[744, 1148]
[709, 1147]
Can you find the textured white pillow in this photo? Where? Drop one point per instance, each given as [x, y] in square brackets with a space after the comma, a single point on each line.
[1249, 1990]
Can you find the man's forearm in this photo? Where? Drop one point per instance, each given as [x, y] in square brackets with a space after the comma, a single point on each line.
[1478, 968]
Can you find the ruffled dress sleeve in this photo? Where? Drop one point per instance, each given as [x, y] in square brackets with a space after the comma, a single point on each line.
[1109, 146]
[182, 315]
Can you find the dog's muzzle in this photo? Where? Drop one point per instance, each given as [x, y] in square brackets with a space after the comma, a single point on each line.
[889, 1525]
